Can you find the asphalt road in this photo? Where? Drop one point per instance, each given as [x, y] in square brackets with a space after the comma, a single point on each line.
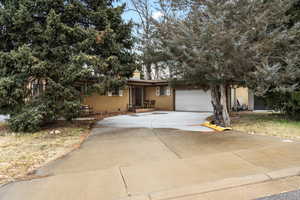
[293, 195]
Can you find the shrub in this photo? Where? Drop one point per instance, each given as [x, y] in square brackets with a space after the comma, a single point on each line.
[29, 120]
[287, 103]
[40, 112]
[71, 110]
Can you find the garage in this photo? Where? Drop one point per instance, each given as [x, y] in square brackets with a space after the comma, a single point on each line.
[193, 100]
[260, 103]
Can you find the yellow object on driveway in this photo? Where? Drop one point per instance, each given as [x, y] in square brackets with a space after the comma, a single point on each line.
[215, 127]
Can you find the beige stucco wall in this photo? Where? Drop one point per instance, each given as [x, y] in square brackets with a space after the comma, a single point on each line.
[162, 102]
[250, 99]
[108, 103]
[120, 103]
[242, 95]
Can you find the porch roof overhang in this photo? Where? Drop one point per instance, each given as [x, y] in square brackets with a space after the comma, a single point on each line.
[133, 82]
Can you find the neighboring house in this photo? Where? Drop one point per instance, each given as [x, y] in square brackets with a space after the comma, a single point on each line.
[140, 94]
[257, 103]
[246, 97]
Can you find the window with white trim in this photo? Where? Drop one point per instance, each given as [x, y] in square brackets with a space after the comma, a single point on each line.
[163, 91]
[115, 92]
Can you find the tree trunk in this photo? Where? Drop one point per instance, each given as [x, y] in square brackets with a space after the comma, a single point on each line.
[215, 100]
[156, 72]
[219, 102]
[223, 100]
[148, 72]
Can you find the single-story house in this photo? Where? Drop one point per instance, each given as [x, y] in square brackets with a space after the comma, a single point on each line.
[157, 94]
[140, 94]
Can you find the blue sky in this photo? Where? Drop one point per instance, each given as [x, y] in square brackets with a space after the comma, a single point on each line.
[131, 15]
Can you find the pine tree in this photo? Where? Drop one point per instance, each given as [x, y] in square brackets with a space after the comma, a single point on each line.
[58, 45]
[221, 43]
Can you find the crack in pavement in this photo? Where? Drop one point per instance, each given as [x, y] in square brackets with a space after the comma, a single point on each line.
[124, 181]
[165, 144]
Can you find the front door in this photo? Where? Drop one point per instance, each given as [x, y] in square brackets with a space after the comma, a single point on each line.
[138, 97]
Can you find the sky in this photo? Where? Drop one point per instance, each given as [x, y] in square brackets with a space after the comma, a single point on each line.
[131, 15]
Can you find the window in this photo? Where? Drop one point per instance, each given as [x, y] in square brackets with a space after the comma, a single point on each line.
[37, 89]
[115, 92]
[163, 90]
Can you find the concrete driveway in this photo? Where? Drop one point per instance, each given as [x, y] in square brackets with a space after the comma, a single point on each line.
[143, 163]
[189, 121]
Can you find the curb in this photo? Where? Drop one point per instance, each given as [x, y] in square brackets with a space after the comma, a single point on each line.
[224, 184]
[139, 197]
[283, 173]
[208, 187]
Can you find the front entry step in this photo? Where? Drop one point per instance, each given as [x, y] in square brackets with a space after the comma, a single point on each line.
[142, 110]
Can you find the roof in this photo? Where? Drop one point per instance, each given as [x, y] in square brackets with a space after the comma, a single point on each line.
[147, 82]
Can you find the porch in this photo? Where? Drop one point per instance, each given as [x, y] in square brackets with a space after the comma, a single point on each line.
[146, 95]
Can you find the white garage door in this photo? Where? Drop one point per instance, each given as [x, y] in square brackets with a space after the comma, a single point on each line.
[193, 100]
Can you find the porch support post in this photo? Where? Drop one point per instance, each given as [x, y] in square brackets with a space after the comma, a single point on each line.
[130, 97]
[143, 88]
[235, 100]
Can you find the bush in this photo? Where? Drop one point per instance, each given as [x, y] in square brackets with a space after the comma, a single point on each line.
[41, 112]
[29, 120]
[70, 110]
[287, 103]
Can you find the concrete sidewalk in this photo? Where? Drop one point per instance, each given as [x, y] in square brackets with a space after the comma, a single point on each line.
[141, 163]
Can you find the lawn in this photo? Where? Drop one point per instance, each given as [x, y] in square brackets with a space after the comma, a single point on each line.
[21, 154]
[266, 124]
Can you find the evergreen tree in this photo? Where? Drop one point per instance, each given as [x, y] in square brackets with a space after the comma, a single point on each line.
[294, 13]
[286, 98]
[220, 43]
[55, 47]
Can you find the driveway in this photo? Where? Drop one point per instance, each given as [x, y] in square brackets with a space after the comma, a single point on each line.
[151, 160]
[189, 121]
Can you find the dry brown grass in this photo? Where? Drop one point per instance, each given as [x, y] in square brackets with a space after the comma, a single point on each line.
[22, 153]
[266, 124]
[3, 126]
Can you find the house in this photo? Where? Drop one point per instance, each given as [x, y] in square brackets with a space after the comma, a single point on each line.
[143, 95]
[245, 97]
[157, 94]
